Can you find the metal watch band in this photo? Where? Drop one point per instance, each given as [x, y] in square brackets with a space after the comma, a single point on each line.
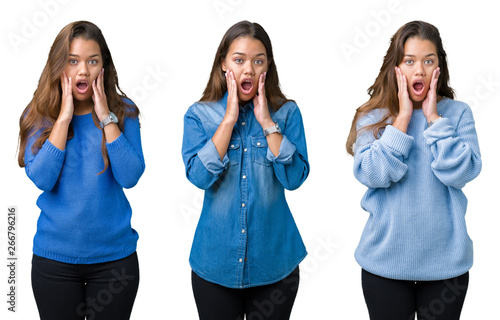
[110, 118]
[273, 129]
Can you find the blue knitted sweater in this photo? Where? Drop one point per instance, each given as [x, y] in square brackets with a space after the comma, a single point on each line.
[416, 229]
[85, 217]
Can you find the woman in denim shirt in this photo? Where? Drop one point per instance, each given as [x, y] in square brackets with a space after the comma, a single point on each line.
[244, 144]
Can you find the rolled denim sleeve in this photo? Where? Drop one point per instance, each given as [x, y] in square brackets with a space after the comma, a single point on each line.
[201, 159]
[286, 152]
[291, 166]
[209, 157]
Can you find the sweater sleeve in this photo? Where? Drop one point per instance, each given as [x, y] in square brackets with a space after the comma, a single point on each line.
[201, 159]
[125, 154]
[378, 163]
[291, 166]
[44, 167]
[457, 159]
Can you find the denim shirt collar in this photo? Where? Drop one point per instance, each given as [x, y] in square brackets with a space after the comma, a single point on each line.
[247, 105]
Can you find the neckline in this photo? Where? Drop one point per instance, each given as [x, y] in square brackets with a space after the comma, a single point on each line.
[83, 115]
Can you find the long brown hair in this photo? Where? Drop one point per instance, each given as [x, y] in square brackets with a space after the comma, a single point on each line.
[384, 92]
[217, 86]
[41, 113]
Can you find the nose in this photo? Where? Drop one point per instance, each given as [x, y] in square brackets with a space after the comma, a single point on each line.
[83, 69]
[419, 69]
[249, 68]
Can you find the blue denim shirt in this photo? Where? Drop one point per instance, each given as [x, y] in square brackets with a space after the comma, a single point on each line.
[246, 235]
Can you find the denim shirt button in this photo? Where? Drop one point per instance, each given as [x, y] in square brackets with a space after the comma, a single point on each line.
[245, 149]
[241, 260]
[243, 205]
[258, 143]
[244, 177]
[232, 146]
[243, 231]
[243, 123]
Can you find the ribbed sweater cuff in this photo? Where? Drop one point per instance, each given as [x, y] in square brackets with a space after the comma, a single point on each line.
[397, 140]
[53, 150]
[117, 143]
[439, 130]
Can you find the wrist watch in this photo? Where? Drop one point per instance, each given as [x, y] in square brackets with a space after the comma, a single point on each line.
[273, 129]
[110, 118]
[430, 123]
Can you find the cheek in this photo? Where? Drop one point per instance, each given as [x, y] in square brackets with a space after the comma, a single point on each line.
[237, 75]
[93, 75]
[405, 71]
[262, 69]
[230, 65]
[70, 72]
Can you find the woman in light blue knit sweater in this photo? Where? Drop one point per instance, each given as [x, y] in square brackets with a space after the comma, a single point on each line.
[415, 148]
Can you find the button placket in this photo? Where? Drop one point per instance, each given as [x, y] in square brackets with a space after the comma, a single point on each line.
[242, 243]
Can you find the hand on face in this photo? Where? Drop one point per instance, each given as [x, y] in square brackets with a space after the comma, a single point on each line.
[67, 107]
[261, 109]
[99, 97]
[405, 103]
[232, 108]
[429, 105]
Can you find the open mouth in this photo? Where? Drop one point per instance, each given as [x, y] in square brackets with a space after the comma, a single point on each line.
[247, 86]
[82, 86]
[418, 87]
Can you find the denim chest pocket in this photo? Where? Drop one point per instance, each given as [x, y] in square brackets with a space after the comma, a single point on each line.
[233, 152]
[259, 151]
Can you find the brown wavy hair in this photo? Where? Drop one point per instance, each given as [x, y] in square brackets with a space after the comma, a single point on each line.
[39, 117]
[217, 86]
[384, 92]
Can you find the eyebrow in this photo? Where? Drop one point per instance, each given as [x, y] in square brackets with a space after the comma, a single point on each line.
[412, 55]
[242, 54]
[92, 56]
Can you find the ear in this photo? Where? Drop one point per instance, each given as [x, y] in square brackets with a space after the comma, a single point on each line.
[223, 65]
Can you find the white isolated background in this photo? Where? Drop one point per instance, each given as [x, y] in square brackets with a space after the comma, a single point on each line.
[327, 53]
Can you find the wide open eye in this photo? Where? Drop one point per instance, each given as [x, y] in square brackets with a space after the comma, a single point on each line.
[409, 62]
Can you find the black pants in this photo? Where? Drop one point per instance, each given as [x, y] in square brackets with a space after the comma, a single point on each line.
[273, 301]
[72, 291]
[389, 299]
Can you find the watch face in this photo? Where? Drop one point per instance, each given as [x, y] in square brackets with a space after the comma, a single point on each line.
[113, 117]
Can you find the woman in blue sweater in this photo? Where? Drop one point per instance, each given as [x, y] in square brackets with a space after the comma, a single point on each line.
[415, 148]
[80, 144]
[244, 144]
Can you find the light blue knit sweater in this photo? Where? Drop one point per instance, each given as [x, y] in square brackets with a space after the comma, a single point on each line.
[416, 229]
